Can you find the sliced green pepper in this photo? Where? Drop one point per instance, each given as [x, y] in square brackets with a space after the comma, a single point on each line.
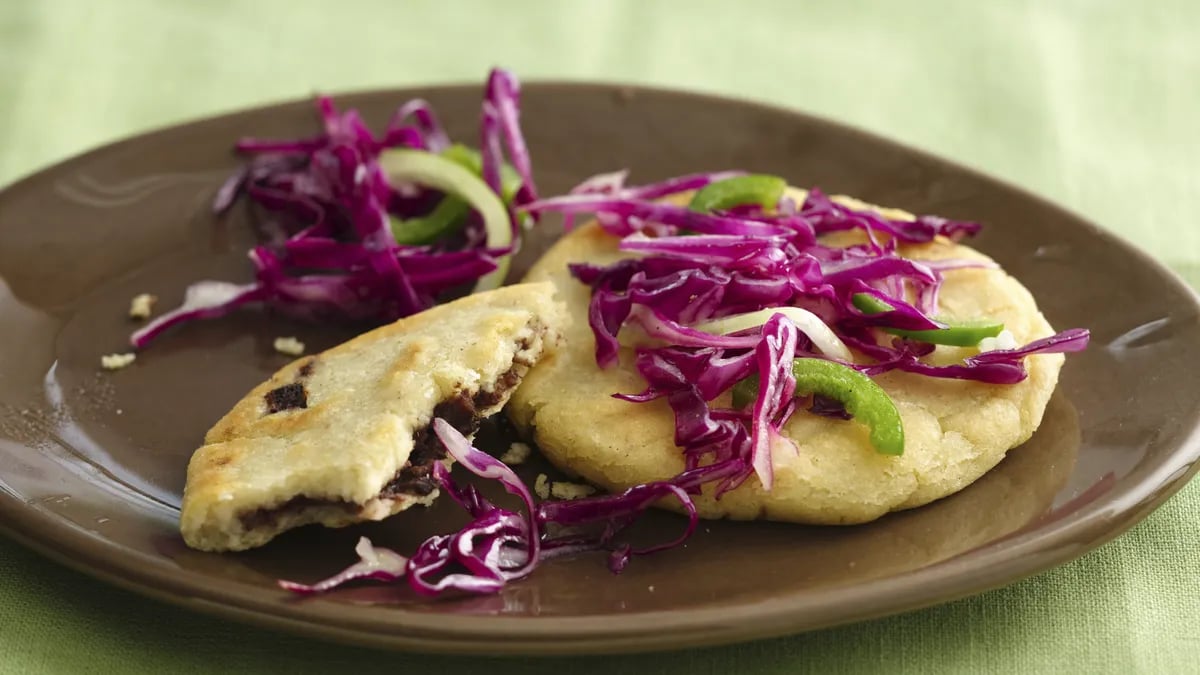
[866, 401]
[451, 212]
[763, 190]
[469, 158]
[957, 334]
[962, 334]
[869, 304]
[424, 168]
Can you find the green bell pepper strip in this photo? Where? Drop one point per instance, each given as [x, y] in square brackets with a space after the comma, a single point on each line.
[866, 401]
[446, 218]
[962, 334]
[469, 158]
[451, 212]
[759, 189]
[869, 304]
[435, 171]
[957, 334]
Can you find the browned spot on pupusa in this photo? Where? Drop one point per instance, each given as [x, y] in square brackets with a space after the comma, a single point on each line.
[287, 397]
[306, 370]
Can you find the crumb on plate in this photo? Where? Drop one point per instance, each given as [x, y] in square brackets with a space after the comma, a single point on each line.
[289, 345]
[565, 490]
[117, 361]
[142, 306]
[517, 453]
[541, 486]
[545, 488]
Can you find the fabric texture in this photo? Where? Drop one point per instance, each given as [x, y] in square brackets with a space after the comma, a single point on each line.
[1091, 103]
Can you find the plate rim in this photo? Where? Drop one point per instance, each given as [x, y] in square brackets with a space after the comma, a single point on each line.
[957, 577]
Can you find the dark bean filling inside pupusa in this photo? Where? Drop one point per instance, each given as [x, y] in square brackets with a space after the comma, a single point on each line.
[414, 479]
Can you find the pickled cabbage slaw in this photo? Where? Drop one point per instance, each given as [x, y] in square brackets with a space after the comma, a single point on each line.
[739, 283]
[373, 227]
[733, 293]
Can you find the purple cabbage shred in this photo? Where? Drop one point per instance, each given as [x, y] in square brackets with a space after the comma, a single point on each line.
[691, 268]
[325, 206]
[695, 267]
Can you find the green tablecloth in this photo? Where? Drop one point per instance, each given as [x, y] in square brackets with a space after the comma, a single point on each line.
[1093, 103]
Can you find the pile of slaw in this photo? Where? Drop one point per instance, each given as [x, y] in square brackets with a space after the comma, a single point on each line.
[719, 295]
[373, 227]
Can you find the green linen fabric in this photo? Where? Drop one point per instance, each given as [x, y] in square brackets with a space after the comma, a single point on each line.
[1092, 103]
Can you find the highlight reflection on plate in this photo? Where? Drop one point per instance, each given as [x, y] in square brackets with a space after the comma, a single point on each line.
[92, 464]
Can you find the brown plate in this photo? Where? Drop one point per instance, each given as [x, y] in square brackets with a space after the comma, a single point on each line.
[92, 464]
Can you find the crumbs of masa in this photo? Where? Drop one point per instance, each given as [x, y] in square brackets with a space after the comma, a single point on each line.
[117, 361]
[517, 453]
[142, 306]
[289, 345]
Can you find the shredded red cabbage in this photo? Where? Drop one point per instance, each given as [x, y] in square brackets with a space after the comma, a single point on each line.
[613, 186]
[776, 393]
[500, 545]
[327, 245]
[695, 267]
[380, 564]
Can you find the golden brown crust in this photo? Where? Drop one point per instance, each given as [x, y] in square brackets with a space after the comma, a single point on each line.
[335, 428]
[955, 430]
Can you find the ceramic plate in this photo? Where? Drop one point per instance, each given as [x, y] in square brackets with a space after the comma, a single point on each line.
[92, 463]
